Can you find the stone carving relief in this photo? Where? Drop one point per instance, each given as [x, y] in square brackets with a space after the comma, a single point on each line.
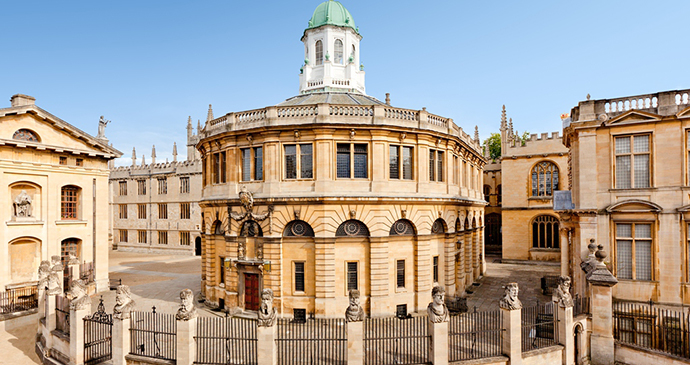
[562, 293]
[510, 298]
[437, 310]
[73, 260]
[354, 312]
[186, 310]
[241, 250]
[124, 304]
[260, 250]
[22, 205]
[267, 313]
[79, 300]
[247, 200]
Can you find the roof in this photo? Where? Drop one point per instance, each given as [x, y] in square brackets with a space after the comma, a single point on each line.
[331, 13]
[339, 98]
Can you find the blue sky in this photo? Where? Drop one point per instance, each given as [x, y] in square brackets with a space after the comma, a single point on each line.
[147, 65]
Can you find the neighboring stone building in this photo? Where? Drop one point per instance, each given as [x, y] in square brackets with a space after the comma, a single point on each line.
[155, 207]
[520, 187]
[54, 178]
[338, 191]
[630, 176]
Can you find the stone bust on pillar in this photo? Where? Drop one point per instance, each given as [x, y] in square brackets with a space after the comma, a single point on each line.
[267, 313]
[124, 304]
[354, 312]
[186, 310]
[562, 293]
[79, 300]
[437, 310]
[510, 298]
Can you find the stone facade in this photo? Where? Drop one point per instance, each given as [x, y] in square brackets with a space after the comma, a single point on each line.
[54, 178]
[629, 188]
[155, 207]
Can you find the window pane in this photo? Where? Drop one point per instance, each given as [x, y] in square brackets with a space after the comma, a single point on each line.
[555, 179]
[343, 160]
[246, 165]
[299, 276]
[319, 53]
[534, 184]
[622, 145]
[643, 231]
[548, 183]
[623, 230]
[643, 260]
[641, 143]
[360, 161]
[432, 165]
[407, 163]
[258, 163]
[306, 169]
[624, 259]
[400, 273]
[393, 162]
[641, 171]
[291, 162]
[623, 172]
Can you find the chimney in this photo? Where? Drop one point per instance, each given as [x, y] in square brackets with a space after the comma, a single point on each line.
[21, 100]
[388, 98]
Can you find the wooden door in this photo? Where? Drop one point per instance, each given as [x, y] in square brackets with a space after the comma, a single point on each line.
[251, 292]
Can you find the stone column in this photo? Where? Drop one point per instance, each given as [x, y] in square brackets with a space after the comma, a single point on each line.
[121, 340]
[438, 326]
[565, 247]
[266, 345]
[355, 343]
[601, 282]
[76, 330]
[186, 317]
[511, 313]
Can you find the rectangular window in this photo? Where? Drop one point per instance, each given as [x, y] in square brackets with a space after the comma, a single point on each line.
[394, 162]
[141, 211]
[400, 164]
[63, 160]
[219, 168]
[123, 235]
[299, 276]
[185, 211]
[355, 155]
[435, 273]
[407, 163]
[184, 238]
[69, 202]
[162, 237]
[435, 165]
[162, 186]
[123, 188]
[687, 153]
[141, 187]
[123, 211]
[456, 169]
[184, 185]
[400, 275]
[633, 156]
[163, 211]
[214, 169]
[252, 163]
[352, 280]
[432, 165]
[298, 161]
[258, 163]
[439, 161]
[141, 236]
[80, 162]
[300, 315]
[464, 174]
[246, 164]
[634, 251]
[360, 160]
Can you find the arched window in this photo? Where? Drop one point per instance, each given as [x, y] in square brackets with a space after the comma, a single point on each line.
[402, 227]
[487, 192]
[353, 53]
[545, 232]
[26, 135]
[352, 228]
[338, 57]
[544, 179]
[69, 202]
[251, 228]
[319, 53]
[439, 226]
[298, 228]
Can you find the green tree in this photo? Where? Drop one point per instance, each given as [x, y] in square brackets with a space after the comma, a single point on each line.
[524, 138]
[493, 143]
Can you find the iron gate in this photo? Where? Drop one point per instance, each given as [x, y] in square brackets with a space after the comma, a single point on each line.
[98, 336]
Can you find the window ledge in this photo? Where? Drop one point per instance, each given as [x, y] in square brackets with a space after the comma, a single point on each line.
[70, 222]
[299, 294]
[540, 249]
[638, 281]
[632, 189]
[24, 223]
[544, 198]
[400, 290]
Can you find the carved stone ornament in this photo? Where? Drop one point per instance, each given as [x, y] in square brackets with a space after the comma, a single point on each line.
[250, 139]
[79, 299]
[510, 298]
[297, 134]
[186, 310]
[56, 264]
[352, 134]
[73, 260]
[403, 213]
[267, 313]
[354, 312]
[353, 213]
[403, 136]
[260, 250]
[437, 310]
[241, 250]
[101, 127]
[43, 272]
[562, 293]
[124, 304]
[590, 262]
[54, 283]
[247, 200]
[22, 205]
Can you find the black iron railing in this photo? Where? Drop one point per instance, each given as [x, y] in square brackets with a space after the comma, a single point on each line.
[18, 300]
[646, 326]
[474, 335]
[98, 336]
[539, 326]
[312, 341]
[396, 341]
[222, 341]
[153, 335]
[581, 305]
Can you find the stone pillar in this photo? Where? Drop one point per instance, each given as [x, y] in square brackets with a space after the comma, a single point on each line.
[121, 341]
[186, 346]
[601, 282]
[439, 343]
[511, 313]
[563, 306]
[266, 346]
[76, 332]
[565, 247]
[74, 269]
[355, 343]
[51, 320]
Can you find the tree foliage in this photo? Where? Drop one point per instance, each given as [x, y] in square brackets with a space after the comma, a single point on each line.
[494, 145]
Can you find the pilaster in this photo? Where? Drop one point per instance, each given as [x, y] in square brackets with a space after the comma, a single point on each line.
[378, 266]
[324, 258]
[449, 263]
[423, 271]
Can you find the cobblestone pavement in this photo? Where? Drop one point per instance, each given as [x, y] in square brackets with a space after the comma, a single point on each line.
[527, 275]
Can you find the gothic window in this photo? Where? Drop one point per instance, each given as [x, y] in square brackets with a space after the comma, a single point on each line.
[251, 229]
[25, 135]
[544, 179]
[162, 237]
[69, 202]
[184, 184]
[498, 194]
[141, 236]
[402, 227]
[352, 228]
[319, 53]
[123, 188]
[162, 186]
[338, 56]
[545, 232]
[439, 226]
[185, 211]
[298, 228]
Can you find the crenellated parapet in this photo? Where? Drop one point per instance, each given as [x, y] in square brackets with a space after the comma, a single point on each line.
[175, 167]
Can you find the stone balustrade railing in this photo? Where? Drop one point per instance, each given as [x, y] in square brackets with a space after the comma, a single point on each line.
[663, 103]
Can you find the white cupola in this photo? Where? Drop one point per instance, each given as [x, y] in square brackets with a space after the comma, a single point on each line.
[331, 52]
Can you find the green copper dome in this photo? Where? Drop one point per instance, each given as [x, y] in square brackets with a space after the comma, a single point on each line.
[331, 13]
